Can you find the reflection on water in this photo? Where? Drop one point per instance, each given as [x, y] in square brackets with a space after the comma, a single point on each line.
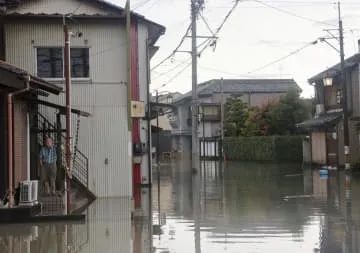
[229, 207]
[257, 208]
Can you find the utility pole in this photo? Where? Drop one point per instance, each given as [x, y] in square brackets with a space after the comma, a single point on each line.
[222, 116]
[344, 93]
[68, 114]
[194, 102]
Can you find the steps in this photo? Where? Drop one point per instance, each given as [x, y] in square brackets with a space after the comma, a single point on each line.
[55, 205]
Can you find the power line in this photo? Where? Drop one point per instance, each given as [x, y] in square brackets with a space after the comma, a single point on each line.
[291, 13]
[176, 75]
[176, 48]
[207, 24]
[211, 42]
[234, 74]
[187, 62]
[283, 58]
[170, 70]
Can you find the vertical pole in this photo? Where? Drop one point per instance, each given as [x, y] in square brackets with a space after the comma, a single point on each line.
[149, 115]
[194, 107]
[157, 133]
[128, 28]
[222, 116]
[129, 81]
[344, 94]
[10, 151]
[68, 114]
[203, 128]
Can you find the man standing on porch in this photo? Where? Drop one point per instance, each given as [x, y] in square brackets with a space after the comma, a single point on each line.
[48, 159]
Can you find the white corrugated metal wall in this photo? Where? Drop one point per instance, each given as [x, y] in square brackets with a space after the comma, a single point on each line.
[143, 79]
[103, 135]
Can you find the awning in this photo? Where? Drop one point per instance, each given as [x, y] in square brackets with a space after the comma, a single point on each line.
[61, 108]
[323, 121]
[35, 82]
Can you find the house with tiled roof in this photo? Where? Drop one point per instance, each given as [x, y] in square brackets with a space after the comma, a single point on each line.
[327, 127]
[255, 92]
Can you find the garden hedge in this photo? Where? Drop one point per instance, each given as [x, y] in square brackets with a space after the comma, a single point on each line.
[264, 148]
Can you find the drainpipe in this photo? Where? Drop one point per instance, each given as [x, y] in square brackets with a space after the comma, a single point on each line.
[10, 138]
[149, 114]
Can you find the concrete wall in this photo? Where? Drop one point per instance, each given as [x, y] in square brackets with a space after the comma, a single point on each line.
[104, 135]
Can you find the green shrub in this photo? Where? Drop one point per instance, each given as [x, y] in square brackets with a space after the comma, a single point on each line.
[264, 148]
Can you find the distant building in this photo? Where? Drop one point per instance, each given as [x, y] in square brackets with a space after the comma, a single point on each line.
[255, 92]
[167, 98]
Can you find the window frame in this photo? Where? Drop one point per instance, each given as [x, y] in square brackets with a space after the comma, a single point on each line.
[63, 63]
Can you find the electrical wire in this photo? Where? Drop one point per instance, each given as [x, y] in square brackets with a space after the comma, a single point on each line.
[210, 42]
[168, 71]
[284, 57]
[207, 24]
[207, 43]
[176, 75]
[291, 13]
[189, 62]
[176, 48]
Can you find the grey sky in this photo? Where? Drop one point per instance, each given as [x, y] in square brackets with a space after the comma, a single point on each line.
[256, 34]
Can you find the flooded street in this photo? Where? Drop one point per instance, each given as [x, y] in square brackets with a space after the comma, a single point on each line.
[235, 207]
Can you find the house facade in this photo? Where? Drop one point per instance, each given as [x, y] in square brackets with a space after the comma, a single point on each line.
[32, 37]
[255, 92]
[326, 128]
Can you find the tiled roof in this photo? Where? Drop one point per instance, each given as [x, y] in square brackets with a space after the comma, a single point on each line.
[324, 120]
[335, 70]
[243, 85]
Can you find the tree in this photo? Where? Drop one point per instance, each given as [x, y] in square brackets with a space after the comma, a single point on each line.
[274, 118]
[290, 111]
[236, 113]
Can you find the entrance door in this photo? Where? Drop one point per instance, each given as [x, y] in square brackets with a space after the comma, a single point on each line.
[332, 148]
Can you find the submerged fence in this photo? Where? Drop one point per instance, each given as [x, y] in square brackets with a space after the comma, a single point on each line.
[264, 148]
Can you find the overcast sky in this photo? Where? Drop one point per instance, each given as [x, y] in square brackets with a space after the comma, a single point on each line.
[257, 33]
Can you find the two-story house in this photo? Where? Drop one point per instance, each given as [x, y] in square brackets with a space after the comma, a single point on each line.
[32, 37]
[255, 92]
[326, 128]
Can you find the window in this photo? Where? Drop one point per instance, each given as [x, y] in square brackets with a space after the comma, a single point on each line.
[211, 110]
[50, 62]
[79, 62]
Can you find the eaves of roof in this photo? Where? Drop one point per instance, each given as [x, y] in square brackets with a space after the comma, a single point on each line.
[335, 70]
[34, 81]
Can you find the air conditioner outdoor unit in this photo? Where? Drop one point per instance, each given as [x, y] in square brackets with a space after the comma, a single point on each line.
[25, 193]
[29, 192]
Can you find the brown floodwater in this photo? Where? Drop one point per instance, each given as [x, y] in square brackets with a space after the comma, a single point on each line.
[232, 207]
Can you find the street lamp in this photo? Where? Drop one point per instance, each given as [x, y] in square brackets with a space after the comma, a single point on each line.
[328, 81]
